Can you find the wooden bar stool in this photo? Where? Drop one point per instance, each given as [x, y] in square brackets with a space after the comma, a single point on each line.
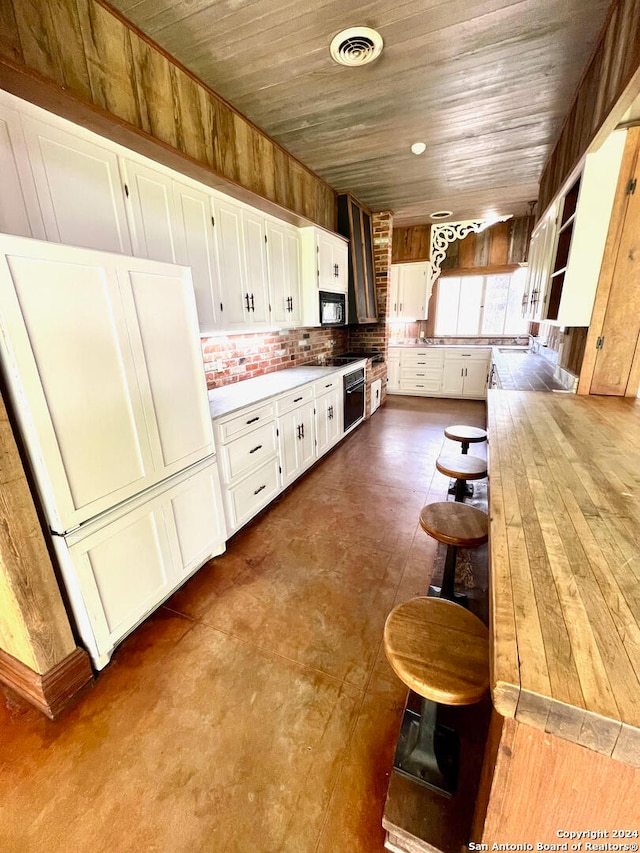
[441, 652]
[462, 468]
[466, 435]
[457, 525]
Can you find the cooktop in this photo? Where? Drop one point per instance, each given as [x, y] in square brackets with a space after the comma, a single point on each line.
[347, 357]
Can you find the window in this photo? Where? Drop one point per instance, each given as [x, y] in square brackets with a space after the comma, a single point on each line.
[481, 305]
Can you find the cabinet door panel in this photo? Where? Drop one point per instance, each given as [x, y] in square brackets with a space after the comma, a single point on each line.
[196, 249]
[117, 576]
[198, 516]
[85, 413]
[232, 277]
[277, 262]
[152, 213]
[453, 376]
[292, 264]
[256, 266]
[19, 208]
[161, 301]
[475, 378]
[79, 189]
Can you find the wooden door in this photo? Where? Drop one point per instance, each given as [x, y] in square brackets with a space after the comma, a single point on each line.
[612, 358]
[278, 277]
[292, 266]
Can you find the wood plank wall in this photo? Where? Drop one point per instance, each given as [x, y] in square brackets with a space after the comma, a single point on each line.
[503, 245]
[63, 54]
[34, 627]
[608, 78]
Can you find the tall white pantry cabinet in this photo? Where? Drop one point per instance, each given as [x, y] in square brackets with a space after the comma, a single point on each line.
[101, 356]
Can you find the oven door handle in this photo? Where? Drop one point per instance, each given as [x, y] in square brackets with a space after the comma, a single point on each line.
[355, 388]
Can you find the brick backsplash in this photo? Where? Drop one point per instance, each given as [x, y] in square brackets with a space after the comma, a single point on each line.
[248, 355]
[244, 356]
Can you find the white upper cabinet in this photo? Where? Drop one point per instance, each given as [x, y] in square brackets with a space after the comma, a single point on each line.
[19, 208]
[195, 247]
[105, 350]
[283, 262]
[324, 266]
[408, 293]
[79, 188]
[255, 258]
[151, 211]
[229, 243]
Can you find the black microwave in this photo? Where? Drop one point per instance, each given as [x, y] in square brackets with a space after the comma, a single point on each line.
[333, 309]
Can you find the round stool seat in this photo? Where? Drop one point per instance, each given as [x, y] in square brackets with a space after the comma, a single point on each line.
[455, 523]
[439, 650]
[467, 434]
[462, 467]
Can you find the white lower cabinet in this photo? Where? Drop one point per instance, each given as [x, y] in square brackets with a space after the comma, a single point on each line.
[328, 416]
[250, 495]
[439, 371]
[120, 567]
[250, 470]
[297, 441]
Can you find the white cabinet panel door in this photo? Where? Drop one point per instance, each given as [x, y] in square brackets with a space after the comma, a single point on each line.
[253, 224]
[79, 189]
[196, 248]
[328, 421]
[152, 215]
[70, 358]
[297, 442]
[228, 218]
[117, 575]
[197, 513]
[283, 261]
[19, 207]
[475, 378]
[179, 418]
[453, 376]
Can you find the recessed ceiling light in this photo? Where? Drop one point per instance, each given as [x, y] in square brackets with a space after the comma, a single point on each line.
[418, 148]
[356, 46]
[441, 214]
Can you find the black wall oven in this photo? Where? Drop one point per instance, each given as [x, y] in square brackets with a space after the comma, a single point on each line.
[354, 391]
[333, 309]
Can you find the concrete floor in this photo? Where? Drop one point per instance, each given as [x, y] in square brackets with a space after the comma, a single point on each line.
[254, 712]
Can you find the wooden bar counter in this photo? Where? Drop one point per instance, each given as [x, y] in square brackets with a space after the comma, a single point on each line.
[564, 503]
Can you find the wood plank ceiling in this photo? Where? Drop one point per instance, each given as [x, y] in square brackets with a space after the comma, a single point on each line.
[484, 83]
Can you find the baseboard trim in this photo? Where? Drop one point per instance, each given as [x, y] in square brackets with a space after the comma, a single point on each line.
[51, 691]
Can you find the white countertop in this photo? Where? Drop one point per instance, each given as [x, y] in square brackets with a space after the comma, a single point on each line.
[238, 395]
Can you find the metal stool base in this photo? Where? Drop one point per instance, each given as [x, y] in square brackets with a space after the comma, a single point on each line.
[428, 753]
[460, 493]
[458, 597]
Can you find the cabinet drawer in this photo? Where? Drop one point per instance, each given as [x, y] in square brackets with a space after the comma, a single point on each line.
[294, 399]
[246, 421]
[430, 384]
[329, 383]
[420, 374]
[423, 358]
[475, 353]
[248, 451]
[253, 493]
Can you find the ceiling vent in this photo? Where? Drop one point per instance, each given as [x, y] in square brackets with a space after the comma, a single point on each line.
[356, 46]
[441, 214]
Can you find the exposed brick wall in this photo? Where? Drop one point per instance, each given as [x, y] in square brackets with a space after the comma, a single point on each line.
[249, 355]
[374, 335]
